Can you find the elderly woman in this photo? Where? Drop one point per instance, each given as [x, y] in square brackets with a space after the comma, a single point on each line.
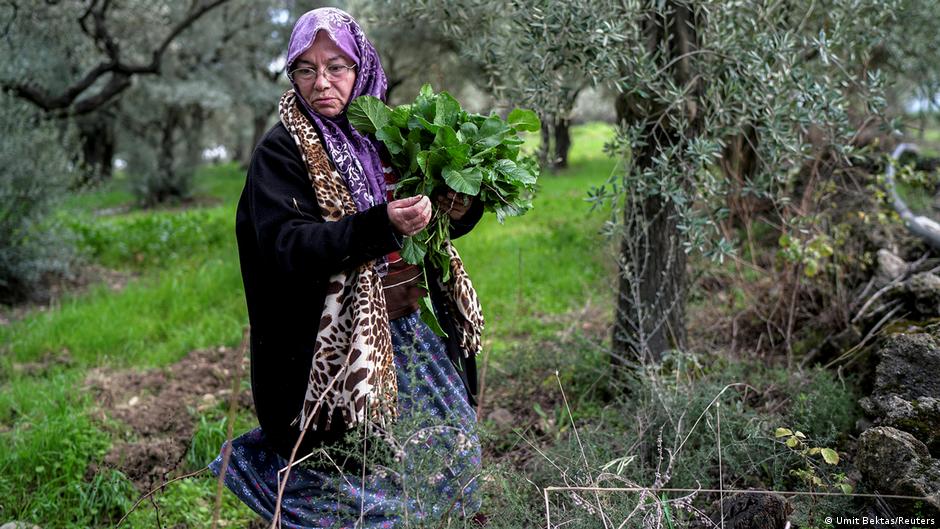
[337, 344]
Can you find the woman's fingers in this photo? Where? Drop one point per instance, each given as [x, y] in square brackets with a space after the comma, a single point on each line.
[405, 202]
[410, 215]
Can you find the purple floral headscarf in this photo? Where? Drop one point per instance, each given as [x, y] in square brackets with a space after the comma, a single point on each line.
[354, 155]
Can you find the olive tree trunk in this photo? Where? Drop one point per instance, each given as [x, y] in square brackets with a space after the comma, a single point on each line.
[650, 317]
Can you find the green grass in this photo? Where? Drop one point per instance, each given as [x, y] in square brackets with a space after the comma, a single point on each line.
[186, 293]
[114, 194]
[153, 321]
[47, 451]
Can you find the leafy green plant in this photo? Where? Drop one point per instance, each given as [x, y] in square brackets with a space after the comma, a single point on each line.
[436, 146]
[810, 454]
[810, 254]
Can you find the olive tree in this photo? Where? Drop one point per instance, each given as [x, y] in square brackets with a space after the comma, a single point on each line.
[217, 83]
[34, 166]
[694, 78]
[74, 59]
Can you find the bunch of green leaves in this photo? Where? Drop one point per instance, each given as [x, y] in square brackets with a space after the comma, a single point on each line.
[436, 146]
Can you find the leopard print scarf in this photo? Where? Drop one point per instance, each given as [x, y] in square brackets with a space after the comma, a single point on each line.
[353, 370]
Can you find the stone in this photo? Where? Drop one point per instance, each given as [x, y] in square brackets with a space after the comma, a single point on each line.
[890, 267]
[924, 292]
[906, 393]
[746, 511]
[895, 462]
[920, 416]
[19, 525]
[501, 417]
[908, 367]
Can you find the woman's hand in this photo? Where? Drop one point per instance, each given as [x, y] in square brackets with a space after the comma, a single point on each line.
[410, 215]
[454, 204]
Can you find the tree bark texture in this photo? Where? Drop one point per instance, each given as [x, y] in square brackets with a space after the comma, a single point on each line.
[650, 317]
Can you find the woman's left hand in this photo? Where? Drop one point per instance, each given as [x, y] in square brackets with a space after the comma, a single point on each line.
[455, 204]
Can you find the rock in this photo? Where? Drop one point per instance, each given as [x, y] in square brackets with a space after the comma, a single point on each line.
[890, 267]
[895, 462]
[501, 417]
[750, 510]
[906, 393]
[19, 525]
[924, 290]
[920, 417]
[908, 367]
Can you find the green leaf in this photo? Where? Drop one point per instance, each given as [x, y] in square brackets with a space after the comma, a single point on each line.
[446, 137]
[391, 136]
[846, 488]
[830, 456]
[428, 316]
[522, 119]
[514, 172]
[446, 110]
[368, 114]
[425, 105]
[431, 162]
[508, 210]
[782, 432]
[539, 411]
[430, 127]
[468, 132]
[459, 156]
[413, 250]
[399, 116]
[492, 132]
[792, 441]
[464, 181]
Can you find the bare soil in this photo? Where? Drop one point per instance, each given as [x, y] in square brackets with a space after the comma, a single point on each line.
[159, 407]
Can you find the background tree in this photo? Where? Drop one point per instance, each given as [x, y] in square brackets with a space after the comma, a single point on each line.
[76, 58]
[218, 86]
[35, 171]
[692, 76]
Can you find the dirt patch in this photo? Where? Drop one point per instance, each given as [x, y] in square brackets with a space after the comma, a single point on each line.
[159, 408]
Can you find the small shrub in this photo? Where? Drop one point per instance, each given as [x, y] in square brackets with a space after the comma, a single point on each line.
[648, 437]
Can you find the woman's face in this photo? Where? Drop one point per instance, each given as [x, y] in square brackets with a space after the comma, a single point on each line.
[327, 96]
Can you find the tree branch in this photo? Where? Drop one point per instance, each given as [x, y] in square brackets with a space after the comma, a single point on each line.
[68, 101]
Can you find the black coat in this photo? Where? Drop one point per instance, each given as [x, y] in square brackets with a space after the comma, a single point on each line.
[287, 254]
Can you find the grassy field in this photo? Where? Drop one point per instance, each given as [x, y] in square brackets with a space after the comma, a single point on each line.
[182, 292]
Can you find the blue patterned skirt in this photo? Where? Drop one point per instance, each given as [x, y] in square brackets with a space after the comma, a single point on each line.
[433, 476]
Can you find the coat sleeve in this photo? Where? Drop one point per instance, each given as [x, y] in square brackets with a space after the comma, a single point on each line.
[289, 225]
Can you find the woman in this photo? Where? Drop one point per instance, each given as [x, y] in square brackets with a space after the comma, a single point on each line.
[337, 344]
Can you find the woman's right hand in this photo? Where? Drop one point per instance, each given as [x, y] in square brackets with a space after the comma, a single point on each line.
[410, 215]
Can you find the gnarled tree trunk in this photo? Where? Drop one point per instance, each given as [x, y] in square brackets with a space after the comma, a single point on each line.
[650, 316]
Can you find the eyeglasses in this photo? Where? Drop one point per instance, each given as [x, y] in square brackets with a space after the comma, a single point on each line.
[333, 72]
